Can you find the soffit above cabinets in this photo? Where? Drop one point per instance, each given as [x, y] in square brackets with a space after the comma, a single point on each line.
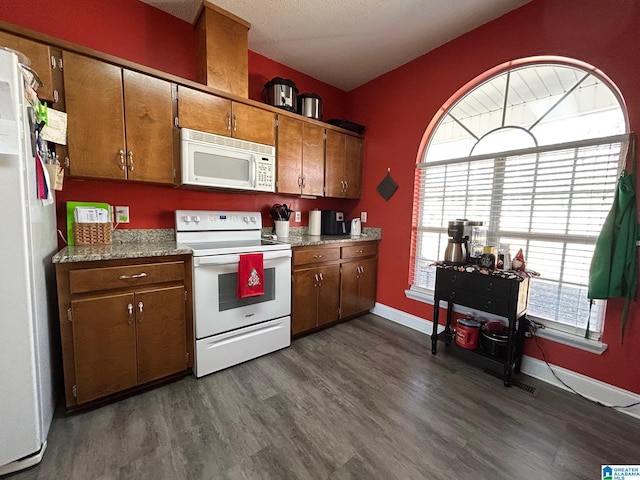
[346, 43]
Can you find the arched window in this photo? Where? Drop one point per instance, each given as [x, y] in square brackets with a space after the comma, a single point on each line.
[532, 148]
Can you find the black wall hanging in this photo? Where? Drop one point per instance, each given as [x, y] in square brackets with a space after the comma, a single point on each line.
[387, 187]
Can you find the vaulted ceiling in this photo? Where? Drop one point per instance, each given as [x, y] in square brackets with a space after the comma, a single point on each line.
[346, 43]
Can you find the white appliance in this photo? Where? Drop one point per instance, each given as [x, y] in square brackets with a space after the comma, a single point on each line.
[27, 242]
[228, 329]
[356, 227]
[215, 161]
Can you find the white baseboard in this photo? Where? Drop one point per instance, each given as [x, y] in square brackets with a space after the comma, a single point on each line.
[403, 318]
[587, 386]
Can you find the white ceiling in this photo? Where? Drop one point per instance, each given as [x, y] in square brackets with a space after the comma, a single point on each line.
[346, 43]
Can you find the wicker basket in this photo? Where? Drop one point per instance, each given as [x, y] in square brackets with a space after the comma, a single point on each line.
[92, 233]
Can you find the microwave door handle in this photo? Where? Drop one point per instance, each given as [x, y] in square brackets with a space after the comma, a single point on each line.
[254, 171]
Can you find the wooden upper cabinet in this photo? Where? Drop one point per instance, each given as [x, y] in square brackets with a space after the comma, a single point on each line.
[343, 165]
[149, 128]
[41, 61]
[203, 111]
[253, 124]
[334, 164]
[289, 155]
[223, 50]
[212, 114]
[313, 160]
[95, 117]
[353, 167]
[300, 151]
[103, 101]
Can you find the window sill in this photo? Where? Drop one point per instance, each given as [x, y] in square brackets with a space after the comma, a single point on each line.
[592, 346]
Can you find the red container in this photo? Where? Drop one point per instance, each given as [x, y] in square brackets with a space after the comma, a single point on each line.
[467, 333]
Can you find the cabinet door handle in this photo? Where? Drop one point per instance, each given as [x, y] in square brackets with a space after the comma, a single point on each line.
[321, 278]
[235, 123]
[141, 316]
[453, 278]
[121, 154]
[130, 308]
[130, 160]
[452, 295]
[228, 121]
[318, 256]
[488, 304]
[137, 275]
[359, 251]
[490, 287]
[315, 284]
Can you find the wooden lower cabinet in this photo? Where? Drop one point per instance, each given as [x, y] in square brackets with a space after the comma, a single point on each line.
[316, 297]
[332, 282]
[121, 329]
[105, 346]
[358, 287]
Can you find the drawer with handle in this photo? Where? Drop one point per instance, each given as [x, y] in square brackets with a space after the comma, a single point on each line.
[489, 286]
[106, 278]
[306, 255]
[497, 306]
[356, 251]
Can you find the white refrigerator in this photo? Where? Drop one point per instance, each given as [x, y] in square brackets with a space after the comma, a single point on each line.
[27, 284]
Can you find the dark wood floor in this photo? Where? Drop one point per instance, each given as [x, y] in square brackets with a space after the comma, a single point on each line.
[362, 400]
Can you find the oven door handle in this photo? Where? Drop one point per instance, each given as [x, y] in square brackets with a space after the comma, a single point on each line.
[229, 259]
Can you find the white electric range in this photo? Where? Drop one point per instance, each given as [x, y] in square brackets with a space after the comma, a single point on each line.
[228, 329]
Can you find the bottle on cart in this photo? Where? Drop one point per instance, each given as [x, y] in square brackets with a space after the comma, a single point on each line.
[504, 257]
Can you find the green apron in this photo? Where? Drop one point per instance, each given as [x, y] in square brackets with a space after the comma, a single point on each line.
[614, 266]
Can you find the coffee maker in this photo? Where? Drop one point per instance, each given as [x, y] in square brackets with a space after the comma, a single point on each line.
[456, 252]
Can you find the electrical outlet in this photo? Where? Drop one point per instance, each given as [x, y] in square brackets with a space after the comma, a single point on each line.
[122, 214]
[298, 217]
[363, 217]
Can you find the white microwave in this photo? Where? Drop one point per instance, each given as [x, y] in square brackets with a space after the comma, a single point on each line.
[210, 160]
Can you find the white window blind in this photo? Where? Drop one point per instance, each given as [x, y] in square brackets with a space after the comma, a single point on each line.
[550, 201]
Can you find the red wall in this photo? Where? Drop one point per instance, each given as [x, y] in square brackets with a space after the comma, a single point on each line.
[589, 30]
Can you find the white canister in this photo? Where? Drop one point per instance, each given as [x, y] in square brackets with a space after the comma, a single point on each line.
[282, 228]
[356, 227]
[315, 220]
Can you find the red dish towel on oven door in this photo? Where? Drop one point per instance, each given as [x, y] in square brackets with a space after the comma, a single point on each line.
[251, 275]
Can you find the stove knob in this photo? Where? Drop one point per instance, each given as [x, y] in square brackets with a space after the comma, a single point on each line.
[186, 218]
[253, 219]
[196, 218]
[246, 219]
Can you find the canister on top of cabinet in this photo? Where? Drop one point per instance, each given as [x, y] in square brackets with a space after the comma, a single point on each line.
[310, 105]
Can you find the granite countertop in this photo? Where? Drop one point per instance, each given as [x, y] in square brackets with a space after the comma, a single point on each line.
[298, 237]
[125, 244]
[158, 243]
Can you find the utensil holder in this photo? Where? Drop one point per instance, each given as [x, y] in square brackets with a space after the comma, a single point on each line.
[91, 233]
[282, 228]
